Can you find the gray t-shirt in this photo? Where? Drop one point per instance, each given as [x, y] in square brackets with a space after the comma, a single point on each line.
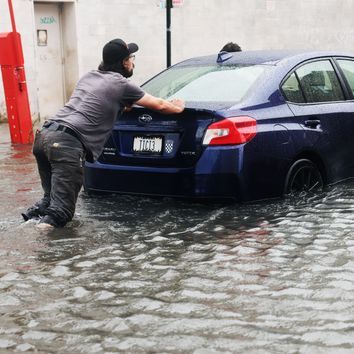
[98, 100]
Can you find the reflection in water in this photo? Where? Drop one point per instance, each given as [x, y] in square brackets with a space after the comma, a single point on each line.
[133, 274]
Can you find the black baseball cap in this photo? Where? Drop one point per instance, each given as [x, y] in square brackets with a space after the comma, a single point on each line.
[116, 50]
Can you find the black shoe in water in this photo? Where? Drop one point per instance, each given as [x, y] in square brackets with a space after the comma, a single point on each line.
[32, 212]
[47, 220]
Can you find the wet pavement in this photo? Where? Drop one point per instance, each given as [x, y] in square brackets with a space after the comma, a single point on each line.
[143, 275]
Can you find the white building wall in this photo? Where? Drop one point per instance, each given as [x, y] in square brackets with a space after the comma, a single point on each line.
[198, 27]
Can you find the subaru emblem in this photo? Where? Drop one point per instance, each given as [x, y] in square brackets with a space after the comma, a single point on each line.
[145, 118]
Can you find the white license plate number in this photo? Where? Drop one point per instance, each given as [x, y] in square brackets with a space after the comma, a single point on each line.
[149, 144]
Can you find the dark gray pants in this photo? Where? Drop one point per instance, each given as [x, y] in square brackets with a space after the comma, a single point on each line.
[60, 158]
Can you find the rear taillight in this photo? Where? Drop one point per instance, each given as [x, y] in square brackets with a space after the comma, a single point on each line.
[231, 131]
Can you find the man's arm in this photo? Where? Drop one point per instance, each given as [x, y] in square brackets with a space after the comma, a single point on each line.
[161, 105]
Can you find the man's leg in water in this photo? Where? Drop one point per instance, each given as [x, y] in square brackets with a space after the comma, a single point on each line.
[44, 169]
[66, 157]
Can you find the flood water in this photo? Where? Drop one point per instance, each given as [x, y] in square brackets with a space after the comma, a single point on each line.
[136, 275]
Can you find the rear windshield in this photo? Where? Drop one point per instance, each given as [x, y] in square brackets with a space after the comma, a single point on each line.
[209, 83]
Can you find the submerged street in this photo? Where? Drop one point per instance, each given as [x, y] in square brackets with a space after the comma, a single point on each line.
[159, 275]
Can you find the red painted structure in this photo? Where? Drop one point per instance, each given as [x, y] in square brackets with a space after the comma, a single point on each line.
[15, 87]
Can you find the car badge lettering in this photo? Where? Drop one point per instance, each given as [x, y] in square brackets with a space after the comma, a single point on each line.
[145, 118]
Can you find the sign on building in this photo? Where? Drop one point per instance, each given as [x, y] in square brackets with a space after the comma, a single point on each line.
[175, 3]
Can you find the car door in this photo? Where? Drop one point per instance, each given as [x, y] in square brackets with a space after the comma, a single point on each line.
[322, 106]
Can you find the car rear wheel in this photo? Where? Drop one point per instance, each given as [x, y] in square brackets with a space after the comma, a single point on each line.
[303, 177]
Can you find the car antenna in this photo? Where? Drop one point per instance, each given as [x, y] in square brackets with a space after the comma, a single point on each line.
[223, 56]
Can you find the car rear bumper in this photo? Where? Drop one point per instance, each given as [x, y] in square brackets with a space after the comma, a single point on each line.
[159, 182]
[210, 178]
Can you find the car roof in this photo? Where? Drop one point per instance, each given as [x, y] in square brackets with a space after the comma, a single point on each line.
[270, 57]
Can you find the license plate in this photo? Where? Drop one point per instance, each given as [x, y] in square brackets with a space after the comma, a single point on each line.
[151, 144]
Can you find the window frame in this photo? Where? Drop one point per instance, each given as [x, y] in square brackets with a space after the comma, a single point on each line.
[338, 73]
[350, 93]
[298, 83]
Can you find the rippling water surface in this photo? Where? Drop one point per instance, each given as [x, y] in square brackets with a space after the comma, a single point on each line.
[133, 274]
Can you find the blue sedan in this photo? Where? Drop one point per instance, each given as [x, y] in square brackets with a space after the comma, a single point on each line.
[258, 124]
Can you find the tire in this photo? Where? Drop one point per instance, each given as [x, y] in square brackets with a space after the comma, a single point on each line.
[303, 177]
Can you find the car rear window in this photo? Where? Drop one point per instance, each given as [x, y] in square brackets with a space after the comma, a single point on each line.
[209, 83]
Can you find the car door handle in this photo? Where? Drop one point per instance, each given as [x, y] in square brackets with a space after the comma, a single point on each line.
[312, 123]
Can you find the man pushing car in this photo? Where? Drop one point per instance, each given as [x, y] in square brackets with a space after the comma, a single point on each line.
[80, 129]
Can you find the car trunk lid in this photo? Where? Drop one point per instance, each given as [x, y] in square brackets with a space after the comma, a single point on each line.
[145, 138]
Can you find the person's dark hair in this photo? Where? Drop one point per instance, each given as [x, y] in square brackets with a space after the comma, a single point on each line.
[116, 67]
[231, 47]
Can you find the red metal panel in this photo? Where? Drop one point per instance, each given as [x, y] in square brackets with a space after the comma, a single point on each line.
[15, 88]
[16, 97]
[11, 49]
